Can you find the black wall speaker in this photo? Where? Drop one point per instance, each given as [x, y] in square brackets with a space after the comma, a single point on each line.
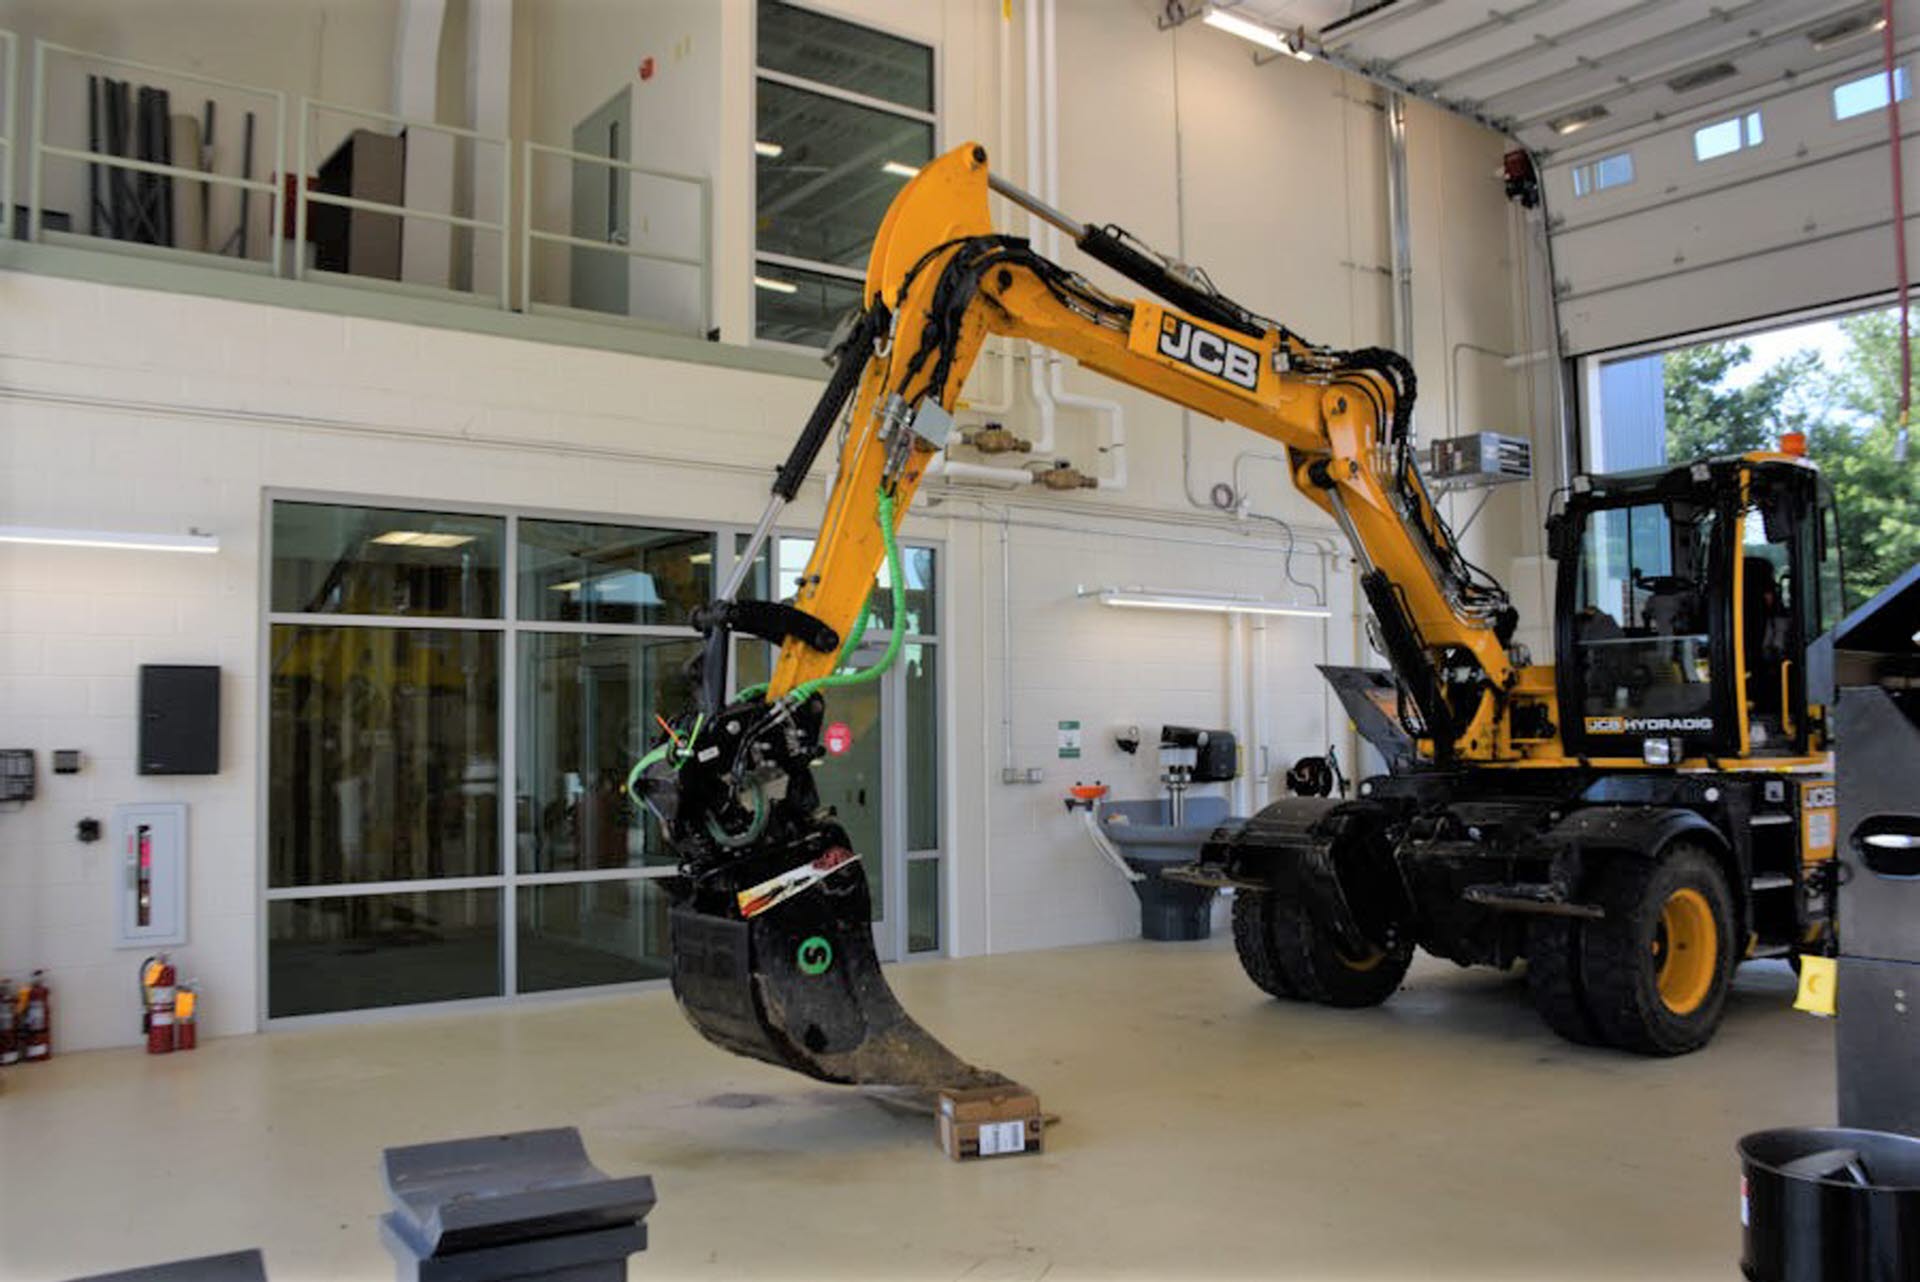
[179, 719]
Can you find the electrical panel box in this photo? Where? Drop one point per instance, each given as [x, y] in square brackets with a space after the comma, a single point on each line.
[150, 893]
[1479, 458]
[179, 719]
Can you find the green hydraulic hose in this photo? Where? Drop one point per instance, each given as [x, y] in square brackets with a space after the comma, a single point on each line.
[834, 680]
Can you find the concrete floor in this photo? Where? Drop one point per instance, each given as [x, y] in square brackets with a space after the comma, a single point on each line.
[1206, 1132]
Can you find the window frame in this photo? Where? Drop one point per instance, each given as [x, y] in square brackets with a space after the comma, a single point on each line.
[1750, 129]
[757, 73]
[1585, 176]
[506, 879]
[1902, 91]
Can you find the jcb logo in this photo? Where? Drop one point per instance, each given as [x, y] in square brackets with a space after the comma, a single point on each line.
[1210, 353]
[1605, 725]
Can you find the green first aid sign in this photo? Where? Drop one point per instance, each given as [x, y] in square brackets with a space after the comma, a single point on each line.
[1069, 739]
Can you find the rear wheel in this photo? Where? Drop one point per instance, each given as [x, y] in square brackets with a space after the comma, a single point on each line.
[1289, 954]
[1656, 969]
[1252, 939]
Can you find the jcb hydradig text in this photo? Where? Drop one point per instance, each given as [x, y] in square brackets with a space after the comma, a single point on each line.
[1634, 820]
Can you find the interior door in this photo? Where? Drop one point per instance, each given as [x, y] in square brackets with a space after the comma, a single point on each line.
[601, 208]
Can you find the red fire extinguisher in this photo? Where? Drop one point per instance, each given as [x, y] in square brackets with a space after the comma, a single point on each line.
[156, 986]
[9, 1039]
[36, 1023]
[184, 1002]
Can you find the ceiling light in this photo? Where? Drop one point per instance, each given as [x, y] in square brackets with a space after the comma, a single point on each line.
[776, 286]
[1246, 29]
[899, 170]
[771, 150]
[700, 558]
[1836, 33]
[1145, 599]
[1692, 80]
[571, 586]
[1574, 121]
[423, 539]
[134, 541]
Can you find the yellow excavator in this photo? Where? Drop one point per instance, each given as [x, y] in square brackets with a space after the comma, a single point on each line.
[1633, 820]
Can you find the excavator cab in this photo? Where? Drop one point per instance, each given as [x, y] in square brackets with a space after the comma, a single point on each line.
[1687, 597]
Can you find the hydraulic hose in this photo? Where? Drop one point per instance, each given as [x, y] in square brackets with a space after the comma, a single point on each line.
[897, 583]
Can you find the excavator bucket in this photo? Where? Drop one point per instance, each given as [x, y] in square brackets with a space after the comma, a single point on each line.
[785, 971]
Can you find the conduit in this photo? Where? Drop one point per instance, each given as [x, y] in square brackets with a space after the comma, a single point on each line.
[1899, 227]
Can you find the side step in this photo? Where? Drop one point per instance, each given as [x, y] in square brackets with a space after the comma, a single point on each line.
[1530, 897]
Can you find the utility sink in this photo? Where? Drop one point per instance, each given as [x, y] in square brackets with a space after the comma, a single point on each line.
[1147, 838]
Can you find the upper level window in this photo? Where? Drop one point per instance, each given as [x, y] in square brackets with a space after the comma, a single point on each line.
[1725, 137]
[1868, 93]
[844, 115]
[1598, 175]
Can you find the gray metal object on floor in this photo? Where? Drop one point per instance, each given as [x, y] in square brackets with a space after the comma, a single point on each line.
[503, 1207]
[239, 1266]
[1874, 660]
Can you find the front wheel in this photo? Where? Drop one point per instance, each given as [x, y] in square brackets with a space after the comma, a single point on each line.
[1657, 967]
[1289, 954]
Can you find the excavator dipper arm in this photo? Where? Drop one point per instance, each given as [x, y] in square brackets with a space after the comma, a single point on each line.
[773, 951]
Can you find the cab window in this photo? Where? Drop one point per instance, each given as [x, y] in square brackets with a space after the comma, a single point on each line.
[1641, 620]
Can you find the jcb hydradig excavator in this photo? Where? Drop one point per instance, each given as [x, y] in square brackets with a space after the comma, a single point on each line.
[1633, 821]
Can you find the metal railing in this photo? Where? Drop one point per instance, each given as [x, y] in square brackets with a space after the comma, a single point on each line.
[39, 149]
[531, 235]
[282, 259]
[310, 108]
[9, 71]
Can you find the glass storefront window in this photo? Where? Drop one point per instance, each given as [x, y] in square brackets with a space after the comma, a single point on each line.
[790, 555]
[580, 933]
[576, 572]
[923, 905]
[923, 747]
[587, 703]
[334, 559]
[383, 754]
[352, 952]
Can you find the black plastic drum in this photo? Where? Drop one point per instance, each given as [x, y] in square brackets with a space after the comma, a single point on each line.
[1830, 1205]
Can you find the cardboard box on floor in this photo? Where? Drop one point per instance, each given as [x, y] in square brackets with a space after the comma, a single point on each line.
[990, 1121]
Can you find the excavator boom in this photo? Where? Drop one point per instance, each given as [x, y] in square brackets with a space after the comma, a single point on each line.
[773, 952]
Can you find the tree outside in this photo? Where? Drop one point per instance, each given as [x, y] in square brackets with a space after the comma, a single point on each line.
[1849, 408]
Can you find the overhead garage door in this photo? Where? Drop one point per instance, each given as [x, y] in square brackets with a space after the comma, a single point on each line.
[1705, 162]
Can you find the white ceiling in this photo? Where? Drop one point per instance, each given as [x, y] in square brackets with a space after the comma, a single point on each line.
[1522, 64]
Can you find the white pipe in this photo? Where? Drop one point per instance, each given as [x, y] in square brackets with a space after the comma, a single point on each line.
[1090, 819]
[1262, 769]
[1237, 705]
[1036, 229]
[1051, 391]
[1003, 131]
[1006, 477]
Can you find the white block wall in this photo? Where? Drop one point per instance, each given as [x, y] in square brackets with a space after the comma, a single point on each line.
[127, 409]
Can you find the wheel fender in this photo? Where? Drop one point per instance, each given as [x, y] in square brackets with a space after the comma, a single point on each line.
[1636, 832]
[1295, 848]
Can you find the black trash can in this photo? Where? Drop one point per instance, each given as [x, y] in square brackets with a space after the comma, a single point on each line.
[1829, 1204]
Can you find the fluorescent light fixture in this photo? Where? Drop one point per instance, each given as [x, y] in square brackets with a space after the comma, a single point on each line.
[423, 539]
[1866, 22]
[1246, 29]
[1574, 121]
[1149, 599]
[775, 286]
[899, 170]
[700, 558]
[771, 150]
[570, 586]
[133, 541]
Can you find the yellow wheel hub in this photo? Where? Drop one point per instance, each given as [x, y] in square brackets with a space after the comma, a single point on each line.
[1363, 964]
[1686, 951]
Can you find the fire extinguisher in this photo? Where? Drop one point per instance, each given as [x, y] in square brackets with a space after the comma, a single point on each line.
[9, 1040]
[184, 1035]
[156, 987]
[36, 1023]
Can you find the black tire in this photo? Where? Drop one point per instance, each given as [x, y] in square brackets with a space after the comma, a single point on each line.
[1624, 955]
[1553, 978]
[1303, 961]
[1253, 940]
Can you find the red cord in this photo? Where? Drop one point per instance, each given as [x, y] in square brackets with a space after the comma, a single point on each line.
[1899, 208]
